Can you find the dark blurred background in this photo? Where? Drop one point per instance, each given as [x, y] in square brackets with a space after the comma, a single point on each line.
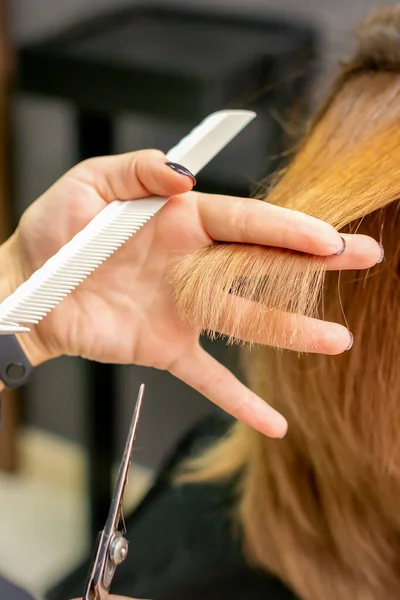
[96, 76]
[46, 145]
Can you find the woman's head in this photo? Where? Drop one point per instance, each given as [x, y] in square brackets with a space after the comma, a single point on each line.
[320, 508]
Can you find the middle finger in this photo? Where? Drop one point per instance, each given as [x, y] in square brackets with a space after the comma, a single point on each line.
[251, 221]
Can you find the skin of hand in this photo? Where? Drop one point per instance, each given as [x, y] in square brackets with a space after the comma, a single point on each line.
[125, 312]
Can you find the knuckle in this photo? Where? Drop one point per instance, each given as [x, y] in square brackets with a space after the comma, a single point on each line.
[289, 224]
[295, 227]
[205, 202]
[145, 157]
[143, 160]
[143, 164]
[147, 153]
[154, 153]
[85, 166]
[241, 219]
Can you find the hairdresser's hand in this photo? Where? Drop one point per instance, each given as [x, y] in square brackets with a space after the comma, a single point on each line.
[125, 311]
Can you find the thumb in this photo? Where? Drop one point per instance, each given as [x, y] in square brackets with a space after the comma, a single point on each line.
[206, 375]
[132, 175]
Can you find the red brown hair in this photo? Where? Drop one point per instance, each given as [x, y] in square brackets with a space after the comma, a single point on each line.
[321, 508]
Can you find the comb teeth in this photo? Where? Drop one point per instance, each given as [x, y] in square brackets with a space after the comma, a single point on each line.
[110, 229]
[75, 262]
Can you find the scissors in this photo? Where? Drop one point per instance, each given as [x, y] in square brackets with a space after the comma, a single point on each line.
[111, 548]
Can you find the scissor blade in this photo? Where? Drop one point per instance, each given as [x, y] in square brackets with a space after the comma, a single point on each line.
[123, 472]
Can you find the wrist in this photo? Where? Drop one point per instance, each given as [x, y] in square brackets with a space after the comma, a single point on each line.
[12, 275]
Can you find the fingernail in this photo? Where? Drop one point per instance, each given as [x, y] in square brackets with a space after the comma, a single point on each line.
[351, 341]
[342, 249]
[382, 254]
[181, 170]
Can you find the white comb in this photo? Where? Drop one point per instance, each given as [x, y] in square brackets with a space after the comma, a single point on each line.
[111, 228]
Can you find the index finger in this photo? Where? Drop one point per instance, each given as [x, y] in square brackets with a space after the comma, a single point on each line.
[251, 221]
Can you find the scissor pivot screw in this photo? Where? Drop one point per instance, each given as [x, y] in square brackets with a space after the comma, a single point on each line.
[119, 550]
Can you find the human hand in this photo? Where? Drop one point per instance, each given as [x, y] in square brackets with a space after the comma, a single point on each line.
[125, 311]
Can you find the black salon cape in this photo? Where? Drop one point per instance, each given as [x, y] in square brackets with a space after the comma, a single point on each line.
[183, 544]
[10, 592]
